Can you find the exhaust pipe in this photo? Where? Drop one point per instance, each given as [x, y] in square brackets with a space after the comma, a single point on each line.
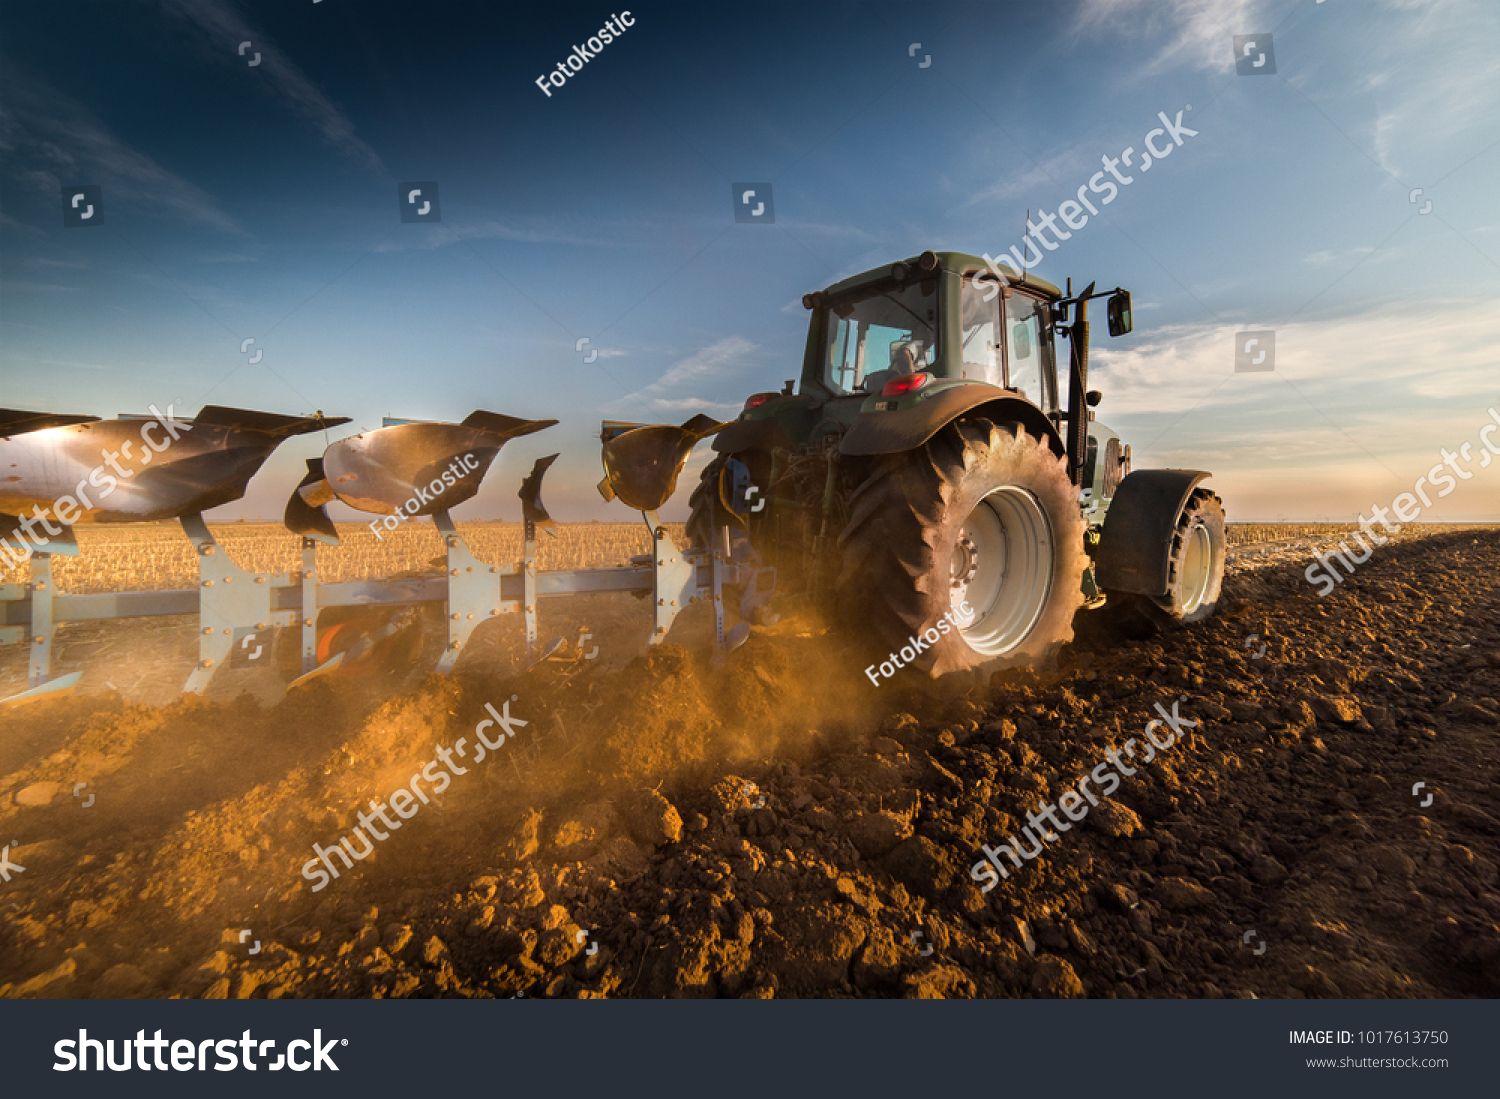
[1078, 384]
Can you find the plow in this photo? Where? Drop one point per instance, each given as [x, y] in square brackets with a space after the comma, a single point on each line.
[936, 483]
[402, 471]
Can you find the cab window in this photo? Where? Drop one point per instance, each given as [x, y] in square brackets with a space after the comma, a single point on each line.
[877, 334]
[979, 330]
[1028, 350]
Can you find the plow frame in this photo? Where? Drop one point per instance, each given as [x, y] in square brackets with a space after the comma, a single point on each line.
[235, 606]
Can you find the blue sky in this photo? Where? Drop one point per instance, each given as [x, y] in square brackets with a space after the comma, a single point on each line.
[260, 202]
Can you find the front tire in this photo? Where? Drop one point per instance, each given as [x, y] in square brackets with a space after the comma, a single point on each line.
[1195, 574]
[1195, 569]
[981, 515]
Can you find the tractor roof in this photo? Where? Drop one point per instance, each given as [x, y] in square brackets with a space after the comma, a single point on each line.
[951, 261]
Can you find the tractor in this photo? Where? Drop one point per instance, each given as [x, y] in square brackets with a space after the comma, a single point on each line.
[925, 482]
[930, 471]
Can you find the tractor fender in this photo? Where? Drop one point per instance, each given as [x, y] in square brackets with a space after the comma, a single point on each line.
[890, 432]
[1137, 537]
[763, 434]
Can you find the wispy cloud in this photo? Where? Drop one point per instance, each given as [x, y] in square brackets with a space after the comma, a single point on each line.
[6, 220]
[1028, 178]
[833, 230]
[23, 361]
[649, 228]
[1192, 34]
[689, 406]
[1347, 257]
[666, 394]
[444, 233]
[1404, 95]
[16, 287]
[1442, 352]
[709, 362]
[48, 141]
[224, 28]
[1428, 89]
[1353, 410]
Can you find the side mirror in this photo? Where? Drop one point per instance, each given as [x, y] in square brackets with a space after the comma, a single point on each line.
[1119, 313]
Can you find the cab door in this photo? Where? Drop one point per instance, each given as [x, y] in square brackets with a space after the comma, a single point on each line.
[1030, 360]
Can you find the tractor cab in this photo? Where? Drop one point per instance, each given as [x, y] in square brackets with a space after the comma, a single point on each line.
[954, 322]
[894, 353]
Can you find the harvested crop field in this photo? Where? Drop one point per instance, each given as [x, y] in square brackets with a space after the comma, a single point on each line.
[152, 556]
[148, 659]
[779, 827]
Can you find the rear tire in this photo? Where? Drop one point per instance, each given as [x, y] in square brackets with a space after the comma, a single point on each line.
[982, 514]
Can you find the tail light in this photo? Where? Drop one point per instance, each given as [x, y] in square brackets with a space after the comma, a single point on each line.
[906, 383]
[758, 399]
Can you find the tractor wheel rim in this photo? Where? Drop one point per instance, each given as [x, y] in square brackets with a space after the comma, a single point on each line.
[1197, 567]
[1002, 567]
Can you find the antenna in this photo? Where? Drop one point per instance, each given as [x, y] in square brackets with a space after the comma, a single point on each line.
[1024, 246]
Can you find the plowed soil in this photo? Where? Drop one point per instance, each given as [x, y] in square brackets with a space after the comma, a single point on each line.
[780, 827]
